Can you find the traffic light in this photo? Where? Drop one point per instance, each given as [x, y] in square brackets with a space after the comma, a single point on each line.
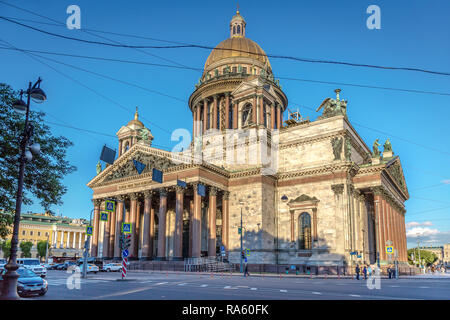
[243, 254]
[127, 241]
[121, 242]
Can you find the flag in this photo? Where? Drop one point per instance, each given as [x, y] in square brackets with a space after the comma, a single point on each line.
[157, 175]
[181, 183]
[201, 190]
[108, 155]
[139, 166]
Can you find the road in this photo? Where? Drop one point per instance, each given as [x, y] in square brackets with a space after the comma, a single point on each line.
[190, 286]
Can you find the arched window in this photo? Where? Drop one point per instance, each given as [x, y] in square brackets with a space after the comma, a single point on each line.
[127, 146]
[304, 231]
[246, 114]
[234, 29]
[239, 29]
[230, 117]
[264, 114]
[208, 117]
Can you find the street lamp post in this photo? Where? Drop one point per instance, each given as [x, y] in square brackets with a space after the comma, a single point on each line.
[9, 291]
[46, 251]
[86, 248]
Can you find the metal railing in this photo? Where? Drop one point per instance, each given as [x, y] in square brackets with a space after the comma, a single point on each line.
[206, 264]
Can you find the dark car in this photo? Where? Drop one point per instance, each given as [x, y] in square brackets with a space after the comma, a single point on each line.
[59, 266]
[28, 283]
[68, 264]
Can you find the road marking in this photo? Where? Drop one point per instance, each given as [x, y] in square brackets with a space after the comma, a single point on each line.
[159, 283]
[241, 286]
[394, 286]
[204, 285]
[424, 287]
[315, 292]
[182, 284]
[355, 295]
[229, 287]
[283, 290]
[253, 289]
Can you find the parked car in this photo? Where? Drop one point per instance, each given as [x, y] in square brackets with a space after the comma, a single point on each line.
[90, 268]
[112, 267]
[28, 283]
[59, 266]
[68, 264]
[32, 264]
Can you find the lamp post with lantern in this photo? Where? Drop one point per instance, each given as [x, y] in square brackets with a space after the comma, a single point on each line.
[27, 150]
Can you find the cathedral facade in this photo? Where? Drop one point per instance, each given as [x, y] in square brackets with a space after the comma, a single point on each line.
[308, 193]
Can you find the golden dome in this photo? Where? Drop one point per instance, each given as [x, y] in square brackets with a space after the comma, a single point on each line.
[237, 47]
[136, 120]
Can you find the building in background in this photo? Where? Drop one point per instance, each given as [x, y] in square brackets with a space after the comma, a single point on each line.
[66, 236]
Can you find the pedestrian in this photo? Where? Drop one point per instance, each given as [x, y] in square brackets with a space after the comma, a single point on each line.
[357, 272]
[389, 272]
[369, 270]
[246, 270]
[365, 272]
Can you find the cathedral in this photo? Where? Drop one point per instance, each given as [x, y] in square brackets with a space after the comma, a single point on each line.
[309, 194]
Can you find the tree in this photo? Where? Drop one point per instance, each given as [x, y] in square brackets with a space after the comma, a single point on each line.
[44, 174]
[42, 248]
[427, 256]
[6, 248]
[26, 246]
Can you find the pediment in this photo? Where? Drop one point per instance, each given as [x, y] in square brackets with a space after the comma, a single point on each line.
[124, 166]
[395, 171]
[304, 198]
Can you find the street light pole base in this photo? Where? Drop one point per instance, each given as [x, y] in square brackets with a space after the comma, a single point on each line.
[9, 290]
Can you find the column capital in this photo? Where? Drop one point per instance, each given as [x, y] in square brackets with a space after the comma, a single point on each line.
[350, 189]
[213, 191]
[148, 194]
[97, 202]
[134, 196]
[227, 94]
[337, 188]
[179, 189]
[226, 195]
[163, 192]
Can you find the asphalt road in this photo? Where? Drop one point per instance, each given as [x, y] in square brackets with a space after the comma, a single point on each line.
[190, 286]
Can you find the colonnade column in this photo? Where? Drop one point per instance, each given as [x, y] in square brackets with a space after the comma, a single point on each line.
[94, 246]
[214, 114]
[254, 110]
[205, 114]
[279, 119]
[235, 115]
[112, 231]
[225, 205]
[272, 116]
[227, 110]
[194, 120]
[178, 236]
[119, 218]
[212, 222]
[162, 225]
[146, 229]
[106, 235]
[133, 212]
[80, 235]
[261, 110]
[196, 224]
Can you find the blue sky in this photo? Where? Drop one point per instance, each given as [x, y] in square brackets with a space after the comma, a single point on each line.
[412, 34]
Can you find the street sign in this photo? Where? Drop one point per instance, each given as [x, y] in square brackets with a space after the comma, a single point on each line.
[103, 216]
[388, 242]
[110, 205]
[245, 259]
[389, 249]
[89, 230]
[201, 190]
[125, 253]
[359, 256]
[126, 228]
[239, 230]
[247, 252]
[353, 253]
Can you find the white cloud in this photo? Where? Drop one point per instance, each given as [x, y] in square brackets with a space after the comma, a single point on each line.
[421, 232]
[435, 239]
[417, 224]
[447, 181]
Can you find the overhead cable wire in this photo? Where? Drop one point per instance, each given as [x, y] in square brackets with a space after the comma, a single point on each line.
[119, 45]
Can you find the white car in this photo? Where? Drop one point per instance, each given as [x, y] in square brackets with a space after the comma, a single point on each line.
[112, 267]
[90, 268]
[34, 265]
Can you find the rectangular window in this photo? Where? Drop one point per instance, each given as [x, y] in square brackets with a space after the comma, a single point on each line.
[31, 233]
[234, 69]
[24, 232]
[39, 234]
[244, 70]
